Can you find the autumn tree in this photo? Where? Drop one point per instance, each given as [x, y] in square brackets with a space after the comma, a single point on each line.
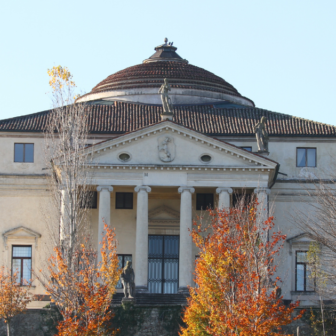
[83, 292]
[14, 298]
[80, 288]
[65, 137]
[236, 289]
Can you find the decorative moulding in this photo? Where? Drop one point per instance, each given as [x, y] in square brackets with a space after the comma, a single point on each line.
[173, 168]
[21, 233]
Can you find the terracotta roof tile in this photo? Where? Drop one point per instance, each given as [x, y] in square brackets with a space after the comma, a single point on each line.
[122, 117]
[181, 75]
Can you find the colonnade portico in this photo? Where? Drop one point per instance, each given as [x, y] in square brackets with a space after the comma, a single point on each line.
[186, 257]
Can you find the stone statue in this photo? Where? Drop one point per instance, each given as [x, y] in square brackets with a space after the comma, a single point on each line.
[261, 135]
[166, 102]
[127, 279]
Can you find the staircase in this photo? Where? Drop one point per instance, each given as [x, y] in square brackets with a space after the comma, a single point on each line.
[146, 299]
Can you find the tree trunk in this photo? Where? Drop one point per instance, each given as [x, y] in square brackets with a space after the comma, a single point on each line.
[8, 328]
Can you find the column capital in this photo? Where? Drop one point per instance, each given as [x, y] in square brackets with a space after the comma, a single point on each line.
[220, 190]
[145, 188]
[105, 187]
[258, 190]
[190, 189]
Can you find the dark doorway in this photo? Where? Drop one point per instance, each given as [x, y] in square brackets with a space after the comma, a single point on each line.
[163, 264]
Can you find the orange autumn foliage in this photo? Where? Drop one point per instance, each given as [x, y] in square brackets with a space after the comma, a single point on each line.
[84, 292]
[235, 294]
[13, 297]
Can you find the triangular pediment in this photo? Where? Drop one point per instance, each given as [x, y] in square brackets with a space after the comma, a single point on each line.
[163, 213]
[163, 217]
[171, 145]
[21, 232]
[300, 238]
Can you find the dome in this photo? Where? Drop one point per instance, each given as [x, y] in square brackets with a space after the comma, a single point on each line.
[189, 84]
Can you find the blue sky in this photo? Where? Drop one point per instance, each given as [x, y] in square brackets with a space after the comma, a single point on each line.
[281, 54]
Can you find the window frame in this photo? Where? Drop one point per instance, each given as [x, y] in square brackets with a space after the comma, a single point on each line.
[207, 207]
[123, 265]
[123, 208]
[22, 258]
[305, 274]
[306, 156]
[24, 152]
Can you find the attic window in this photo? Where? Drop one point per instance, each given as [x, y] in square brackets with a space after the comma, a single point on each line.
[124, 157]
[206, 158]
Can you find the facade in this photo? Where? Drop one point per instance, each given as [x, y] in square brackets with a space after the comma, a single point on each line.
[155, 173]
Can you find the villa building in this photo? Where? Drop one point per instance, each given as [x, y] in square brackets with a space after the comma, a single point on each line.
[154, 171]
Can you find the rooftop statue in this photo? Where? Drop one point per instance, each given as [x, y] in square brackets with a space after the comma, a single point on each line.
[166, 101]
[261, 135]
[127, 279]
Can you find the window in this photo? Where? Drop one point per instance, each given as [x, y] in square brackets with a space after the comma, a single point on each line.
[247, 148]
[204, 201]
[23, 152]
[206, 158]
[124, 200]
[22, 263]
[124, 157]
[123, 258]
[89, 200]
[306, 157]
[303, 281]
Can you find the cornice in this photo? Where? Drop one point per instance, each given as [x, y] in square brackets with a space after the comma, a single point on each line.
[147, 167]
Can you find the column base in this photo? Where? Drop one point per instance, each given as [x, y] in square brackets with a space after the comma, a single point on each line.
[183, 290]
[141, 289]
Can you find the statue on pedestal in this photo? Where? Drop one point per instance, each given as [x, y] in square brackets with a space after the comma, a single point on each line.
[261, 135]
[127, 279]
[166, 102]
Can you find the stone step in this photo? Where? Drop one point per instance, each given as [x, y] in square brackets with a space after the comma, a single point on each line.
[149, 299]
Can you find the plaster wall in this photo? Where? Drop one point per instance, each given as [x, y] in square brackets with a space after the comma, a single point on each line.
[177, 96]
[7, 164]
[283, 151]
[30, 211]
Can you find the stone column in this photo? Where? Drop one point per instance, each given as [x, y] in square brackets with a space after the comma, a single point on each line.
[262, 208]
[141, 240]
[186, 257]
[224, 197]
[104, 212]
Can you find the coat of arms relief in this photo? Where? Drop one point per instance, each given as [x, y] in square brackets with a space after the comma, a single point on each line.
[166, 148]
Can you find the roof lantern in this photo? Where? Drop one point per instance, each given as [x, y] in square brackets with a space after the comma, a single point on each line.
[165, 52]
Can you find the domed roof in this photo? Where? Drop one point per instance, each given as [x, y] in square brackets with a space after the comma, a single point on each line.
[189, 83]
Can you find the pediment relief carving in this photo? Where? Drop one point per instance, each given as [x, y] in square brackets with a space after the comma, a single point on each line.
[21, 233]
[166, 148]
